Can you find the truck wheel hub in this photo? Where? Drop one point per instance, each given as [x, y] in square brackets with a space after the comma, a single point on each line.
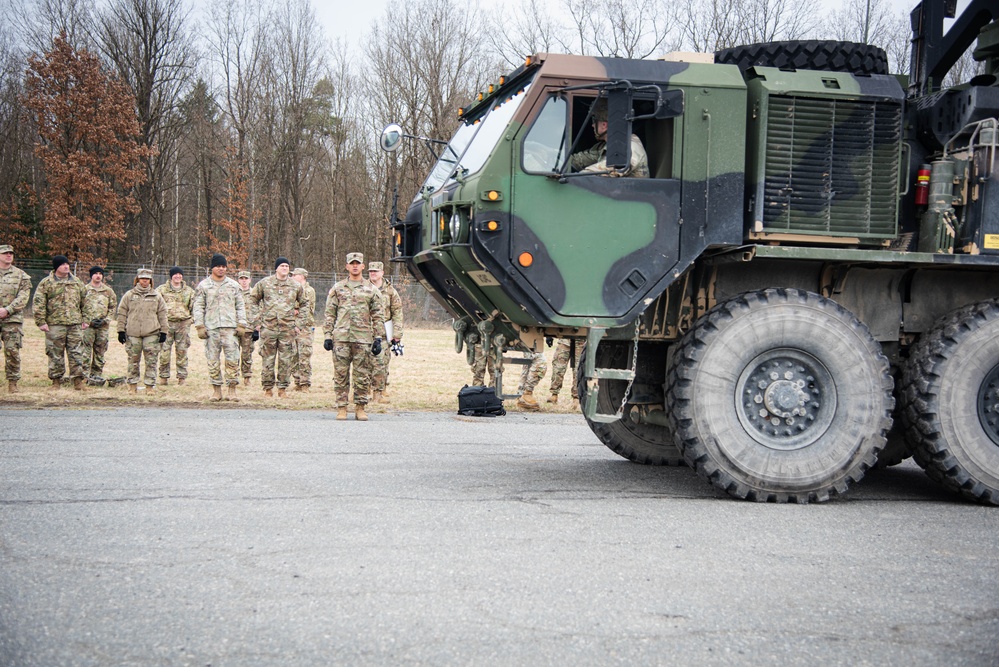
[787, 399]
[988, 405]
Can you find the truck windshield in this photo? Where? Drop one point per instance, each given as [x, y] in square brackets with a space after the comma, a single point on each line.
[474, 141]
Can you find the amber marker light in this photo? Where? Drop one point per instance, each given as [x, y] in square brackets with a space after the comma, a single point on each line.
[492, 195]
[527, 61]
[492, 225]
[491, 89]
[502, 80]
[480, 97]
[526, 259]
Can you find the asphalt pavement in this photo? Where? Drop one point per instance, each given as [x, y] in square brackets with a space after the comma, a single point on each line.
[261, 537]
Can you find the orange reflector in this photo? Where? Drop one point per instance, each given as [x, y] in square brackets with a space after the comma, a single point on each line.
[491, 89]
[527, 61]
[461, 111]
[480, 97]
[526, 259]
[502, 80]
[492, 195]
[492, 225]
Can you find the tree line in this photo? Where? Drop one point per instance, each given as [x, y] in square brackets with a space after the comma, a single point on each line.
[154, 132]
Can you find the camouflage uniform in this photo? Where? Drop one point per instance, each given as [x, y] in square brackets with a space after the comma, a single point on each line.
[15, 290]
[534, 372]
[560, 363]
[219, 308]
[480, 362]
[305, 339]
[392, 308]
[59, 304]
[245, 340]
[142, 315]
[354, 319]
[594, 159]
[277, 301]
[180, 303]
[99, 304]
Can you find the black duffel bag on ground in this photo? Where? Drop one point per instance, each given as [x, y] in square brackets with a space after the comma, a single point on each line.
[479, 402]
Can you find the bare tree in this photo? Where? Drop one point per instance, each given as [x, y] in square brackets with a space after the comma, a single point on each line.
[39, 22]
[148, 42]
[621, 28]
[524, 29]
[853, 22]
[712, 24]
[775, 20]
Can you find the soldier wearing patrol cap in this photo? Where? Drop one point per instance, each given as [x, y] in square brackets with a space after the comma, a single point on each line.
[594, 159]
[305, 339]
[252, 334]
[15, 290]
[278, 299]
[142, 325]
[392, 309]
[354, 327]
[58, 309]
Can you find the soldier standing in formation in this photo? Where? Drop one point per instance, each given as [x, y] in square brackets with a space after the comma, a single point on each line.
[277, 298]
[247, 338]
[15, 290]
[354, 326]
[392, 310]
[219, 315]
[99, 304]
[58, 309]
[305, 339]
[560, 363]
[142, 323]
[529, 379]
[179, 298]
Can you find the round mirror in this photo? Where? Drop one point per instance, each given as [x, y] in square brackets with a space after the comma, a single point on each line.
[391, 138]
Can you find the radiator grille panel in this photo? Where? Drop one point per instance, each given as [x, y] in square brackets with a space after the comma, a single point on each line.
[831, 166]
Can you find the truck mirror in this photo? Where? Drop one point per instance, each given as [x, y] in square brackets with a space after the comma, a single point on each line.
[391, 138]
[618, 129]
[670, 104]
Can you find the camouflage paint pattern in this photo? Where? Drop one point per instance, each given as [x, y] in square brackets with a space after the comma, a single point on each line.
[99, 303]
[219, 304]
[534, 372]
[358, 356]
[480, 363]
[222, 341]
[94, 347]
[277, 302]
[138, 347]
[11, 337]
[180, 302]
[245, 342]
[392, 310]
[354, 313]
[304, 343]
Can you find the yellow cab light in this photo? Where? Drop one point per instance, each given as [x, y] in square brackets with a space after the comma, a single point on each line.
[491, 88]
[526, 259]
[502, 80]
[461, 111]
[480, 97]
[443, 223]
[492, 226]
[492, 195]
[527, 61]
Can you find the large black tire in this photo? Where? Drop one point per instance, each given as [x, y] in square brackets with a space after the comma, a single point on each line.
[647, 444]
[816, 55]
[897, 448]
[951, 402]
[780, 395]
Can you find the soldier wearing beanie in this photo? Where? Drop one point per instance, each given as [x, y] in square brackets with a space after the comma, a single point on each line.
[302, 368]
[58, 308]
[219, 315]
[99, 304]
[179, 298]
[354, 328]
[15, 290]
[278, 300]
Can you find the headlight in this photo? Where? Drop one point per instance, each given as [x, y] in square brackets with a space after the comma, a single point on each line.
[454, 226]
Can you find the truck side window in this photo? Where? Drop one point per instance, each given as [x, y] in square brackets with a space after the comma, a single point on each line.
[545, 145]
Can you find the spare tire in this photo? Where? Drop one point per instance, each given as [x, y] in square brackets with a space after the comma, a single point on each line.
[816, 55]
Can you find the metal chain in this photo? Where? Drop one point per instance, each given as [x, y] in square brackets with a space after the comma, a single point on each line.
[634, 369]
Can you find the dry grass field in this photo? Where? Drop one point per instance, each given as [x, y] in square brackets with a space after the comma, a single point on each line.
[426, 378]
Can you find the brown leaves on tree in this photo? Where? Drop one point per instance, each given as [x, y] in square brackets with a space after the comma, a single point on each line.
[232, 234]
[87, 143]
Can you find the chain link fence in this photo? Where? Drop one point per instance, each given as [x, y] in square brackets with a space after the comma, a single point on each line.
[419, 307]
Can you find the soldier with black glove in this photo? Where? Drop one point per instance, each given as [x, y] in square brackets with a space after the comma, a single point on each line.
[142, 321]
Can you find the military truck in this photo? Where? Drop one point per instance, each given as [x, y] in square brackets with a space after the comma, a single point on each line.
[804, 287]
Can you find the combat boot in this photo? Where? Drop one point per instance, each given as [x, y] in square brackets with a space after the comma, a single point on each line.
[553, 398]
[216, 393]
[376, 397]
[282, 393]
[341, 414]
[359, 413]
[304, 389]
[133, 388]
[528, 402]
[269, 392]
[78, 384]
[164, 381]
[150, 389]
[385, 393]
[180, 381]
[12, 386]
[246, 382]
[56, 383]
[232, 394]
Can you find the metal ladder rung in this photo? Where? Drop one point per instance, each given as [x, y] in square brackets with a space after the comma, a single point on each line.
[613, 374]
